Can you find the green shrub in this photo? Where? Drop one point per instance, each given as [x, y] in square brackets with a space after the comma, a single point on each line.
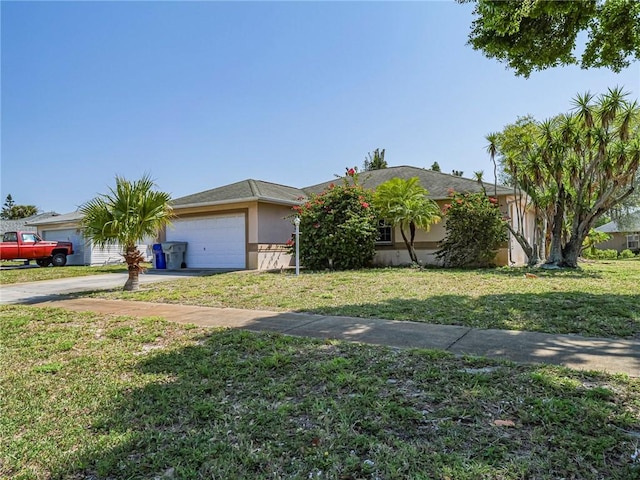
[597, 254]
[591, 240]
[475, 230]
[338, 227]
[626, 254]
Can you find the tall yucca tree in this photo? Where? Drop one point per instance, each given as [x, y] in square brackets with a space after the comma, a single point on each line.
[404, 203]
[131, 212]
[603, 156]
[575, 166]
[579, 166]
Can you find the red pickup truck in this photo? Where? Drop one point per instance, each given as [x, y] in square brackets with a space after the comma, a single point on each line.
[29, 246]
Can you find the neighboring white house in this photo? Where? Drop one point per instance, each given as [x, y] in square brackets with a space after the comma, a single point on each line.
[22, 223]
[65, 228]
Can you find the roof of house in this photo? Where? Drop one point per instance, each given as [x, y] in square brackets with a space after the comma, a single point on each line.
[23, 223]
[437, 183]
[56, 219]
[628, 223]
[245, 190]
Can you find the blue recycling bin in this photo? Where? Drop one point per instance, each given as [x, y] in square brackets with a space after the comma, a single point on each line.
[158, 255]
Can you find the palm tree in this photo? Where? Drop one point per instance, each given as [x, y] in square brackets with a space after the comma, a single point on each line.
[375, 161]
[404, 203]
[492, 149]
[126, 216]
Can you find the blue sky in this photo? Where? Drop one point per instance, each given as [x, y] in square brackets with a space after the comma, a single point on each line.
[201, 94]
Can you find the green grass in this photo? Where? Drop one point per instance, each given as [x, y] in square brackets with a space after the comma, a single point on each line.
[601, 299]
[34, 274]
[90, 396]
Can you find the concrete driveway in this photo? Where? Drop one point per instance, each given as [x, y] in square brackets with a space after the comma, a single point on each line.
[35, 292]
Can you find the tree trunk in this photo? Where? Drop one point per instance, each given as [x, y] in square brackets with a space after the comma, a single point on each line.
[541, 239]
[133, 258]
[133, 282]
[571, 252]
[409, 245]
[529, 251]
[555, 251]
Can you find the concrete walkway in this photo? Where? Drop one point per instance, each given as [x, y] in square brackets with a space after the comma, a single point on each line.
[610, 355]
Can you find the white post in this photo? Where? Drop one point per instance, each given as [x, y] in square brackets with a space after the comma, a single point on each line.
[296, 222]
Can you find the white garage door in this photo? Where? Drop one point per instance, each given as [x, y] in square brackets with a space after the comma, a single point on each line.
[69, 235]
[213, 242]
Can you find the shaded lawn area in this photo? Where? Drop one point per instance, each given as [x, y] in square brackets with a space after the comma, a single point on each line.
[601, 299]
[90, 396]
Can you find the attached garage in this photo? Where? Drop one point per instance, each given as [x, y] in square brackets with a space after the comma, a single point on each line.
[217, 241]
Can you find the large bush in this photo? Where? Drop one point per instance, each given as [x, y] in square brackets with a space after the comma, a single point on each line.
[338, 227]
[475, 230]
[626, 253]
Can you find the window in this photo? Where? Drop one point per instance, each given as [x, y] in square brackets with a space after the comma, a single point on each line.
[384, 232]
[10, 237]
[29, 238]
[633, 241]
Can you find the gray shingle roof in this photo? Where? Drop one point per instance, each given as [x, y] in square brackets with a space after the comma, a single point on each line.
[24, 223]
[629, 223]
[67, 217]
[437, 183]
[244, 190]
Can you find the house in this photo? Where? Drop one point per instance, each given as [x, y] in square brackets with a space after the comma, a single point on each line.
[22, 223]
[242, 225]
[625, 234]
[246, 225]
[66, 228]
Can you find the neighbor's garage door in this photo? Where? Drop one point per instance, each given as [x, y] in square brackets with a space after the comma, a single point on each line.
[70, 235]
[214, 242]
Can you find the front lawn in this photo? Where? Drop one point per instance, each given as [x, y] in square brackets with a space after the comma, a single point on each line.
[91, 396]
[601, 299]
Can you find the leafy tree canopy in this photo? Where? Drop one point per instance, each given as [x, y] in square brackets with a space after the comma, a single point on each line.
[592, 239]
[11, 211]
[539, 34]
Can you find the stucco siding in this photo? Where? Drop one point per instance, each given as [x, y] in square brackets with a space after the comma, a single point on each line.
[274, 256]
[273, 224]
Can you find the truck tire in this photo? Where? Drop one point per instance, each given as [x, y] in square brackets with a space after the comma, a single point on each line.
[59, 260]
[43, 262]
